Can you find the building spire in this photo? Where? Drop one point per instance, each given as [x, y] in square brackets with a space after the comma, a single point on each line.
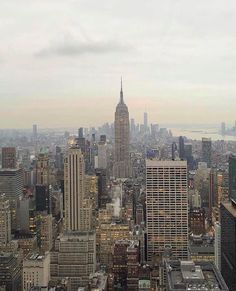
[121, 92]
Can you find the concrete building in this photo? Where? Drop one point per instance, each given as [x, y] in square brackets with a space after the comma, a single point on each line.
[107, 234]
[10, 272]
[42, 169]
[218, 245]
[181, 148]
[74, 257]
[36, 271]
[197, 217]
[22, 214]
[5, 220]
[44, 234]
[207, 151]
[78, 211]
[191, 276]
[166, 208]
[121, 166]
[228, 243]
[11, 183]
[8, 158]
[102, 154]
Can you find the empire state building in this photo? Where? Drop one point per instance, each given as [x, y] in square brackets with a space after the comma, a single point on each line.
[122, 160]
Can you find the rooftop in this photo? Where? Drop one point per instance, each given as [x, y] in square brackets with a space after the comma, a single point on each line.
[191, 276]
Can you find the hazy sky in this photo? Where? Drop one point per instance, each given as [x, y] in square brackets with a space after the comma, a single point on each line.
[61, 61]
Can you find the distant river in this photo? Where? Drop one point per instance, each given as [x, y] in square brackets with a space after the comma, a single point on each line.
[199, 133]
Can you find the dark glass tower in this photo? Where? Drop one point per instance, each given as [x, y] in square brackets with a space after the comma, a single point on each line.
[232, 177]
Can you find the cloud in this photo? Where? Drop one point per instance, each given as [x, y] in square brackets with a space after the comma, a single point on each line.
[71, 48]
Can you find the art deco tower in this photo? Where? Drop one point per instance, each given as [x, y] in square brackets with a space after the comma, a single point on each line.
[78, 211]
[121, 161]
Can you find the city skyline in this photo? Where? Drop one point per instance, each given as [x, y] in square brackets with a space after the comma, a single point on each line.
[176, 59]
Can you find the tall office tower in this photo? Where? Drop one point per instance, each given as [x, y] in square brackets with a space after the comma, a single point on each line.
[228, 243]
[35, 137]
[35, 131]
[42, 169]
[103, 198]
[218, 245]
[11, 183]
[167, 208]
[81, 132]
[74, 256]
[206, 151]
[22, 214]
[132, 127]
[9, 158]
[122, 159]
[43, 198]
[5, 220]
[232, 177]
[44, 230]
[102, 154]
[223, 128]
[77, 209]
[181, 148]
[173, 150]
[228, 229]
[145, 121]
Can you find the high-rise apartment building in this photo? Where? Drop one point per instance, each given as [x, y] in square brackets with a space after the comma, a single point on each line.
[166, 208]
[8, 157]
[206, 151]
[5, 220]
[78, 211]
[121, 160]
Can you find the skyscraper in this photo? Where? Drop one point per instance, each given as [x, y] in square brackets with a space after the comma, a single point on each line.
[181, 148]
[167, 208]
[42, 169]
[9, 158]
[5, 220]
[122, 160]
[145, 121]
[206, 151]
[77, 210]
[232, 177]
[11, 183]
[228, 243]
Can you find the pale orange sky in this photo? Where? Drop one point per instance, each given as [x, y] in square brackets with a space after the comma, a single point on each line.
[61, 61]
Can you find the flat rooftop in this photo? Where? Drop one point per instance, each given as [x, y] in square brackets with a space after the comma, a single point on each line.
[191, 276]
[168, 164]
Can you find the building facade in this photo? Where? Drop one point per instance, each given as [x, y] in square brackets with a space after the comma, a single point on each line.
[121, 166]
[78, 210]
[36, 271]
[5, 220]
[8, 157]
[166, 208]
